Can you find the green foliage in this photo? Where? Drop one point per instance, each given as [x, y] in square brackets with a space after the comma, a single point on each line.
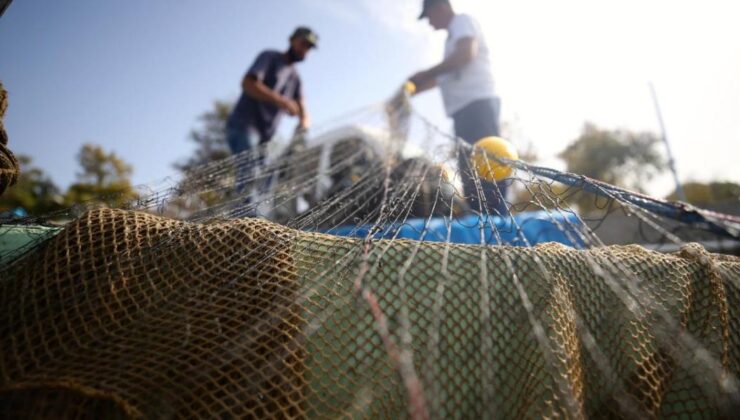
[104, 178]
[210, 138]
[700, 194]
[618, 157]
[210, 146]
[100, 168]
[35, 192]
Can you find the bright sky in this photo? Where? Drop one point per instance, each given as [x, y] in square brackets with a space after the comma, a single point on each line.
[133, 76]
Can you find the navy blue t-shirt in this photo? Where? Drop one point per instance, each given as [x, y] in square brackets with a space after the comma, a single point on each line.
[272, 69]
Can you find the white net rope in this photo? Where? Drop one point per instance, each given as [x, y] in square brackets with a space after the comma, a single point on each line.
[348, 275]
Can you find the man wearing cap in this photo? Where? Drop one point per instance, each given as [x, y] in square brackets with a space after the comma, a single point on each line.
[271, 88]
[466, 82]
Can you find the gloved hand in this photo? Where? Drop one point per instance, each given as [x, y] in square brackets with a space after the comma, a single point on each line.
[300, 131]
[298, 141]
[409, 87]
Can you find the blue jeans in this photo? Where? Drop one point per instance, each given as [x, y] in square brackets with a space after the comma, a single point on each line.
[475, 121]
[240, 141]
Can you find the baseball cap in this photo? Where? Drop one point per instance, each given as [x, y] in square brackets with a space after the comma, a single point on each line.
[4, 4]
[308, 34]
[428, 4]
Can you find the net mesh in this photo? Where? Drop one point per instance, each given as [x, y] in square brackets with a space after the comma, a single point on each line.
[369, 285]
[8, 162]
[126, 313]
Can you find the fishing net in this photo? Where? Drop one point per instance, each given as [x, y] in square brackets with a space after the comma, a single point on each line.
[350, 277]
[8, 162]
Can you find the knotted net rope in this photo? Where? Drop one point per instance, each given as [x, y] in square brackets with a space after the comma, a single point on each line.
[129, 315]
[186, 305]
[9, 168]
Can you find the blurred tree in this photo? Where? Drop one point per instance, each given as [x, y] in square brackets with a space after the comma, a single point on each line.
[618, 157]
[104, 178]
[700, 194]
[210, 146]
[210, 138]
[34, 192]
[100, 168]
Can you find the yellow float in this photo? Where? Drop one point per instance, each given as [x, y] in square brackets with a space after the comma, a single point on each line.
[490, 169]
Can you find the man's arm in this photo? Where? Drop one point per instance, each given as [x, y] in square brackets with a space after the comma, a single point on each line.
[423, 83]
[466, 50]
[304, 120]
[259, 91]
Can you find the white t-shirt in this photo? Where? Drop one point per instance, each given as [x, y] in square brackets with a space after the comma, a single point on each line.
[472, 82]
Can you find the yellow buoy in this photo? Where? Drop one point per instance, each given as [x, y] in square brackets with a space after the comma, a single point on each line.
[490, 169]
[409, 87]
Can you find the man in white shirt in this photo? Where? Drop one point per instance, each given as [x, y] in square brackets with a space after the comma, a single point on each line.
[464, 77]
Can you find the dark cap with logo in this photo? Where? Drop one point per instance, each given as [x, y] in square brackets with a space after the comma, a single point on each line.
[4, 5]
[428, 4]
[308, 34]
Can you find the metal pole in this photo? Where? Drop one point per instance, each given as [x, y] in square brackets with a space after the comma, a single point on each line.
[671, 161]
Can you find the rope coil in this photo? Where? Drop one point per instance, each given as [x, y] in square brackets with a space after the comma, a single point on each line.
[9, 167]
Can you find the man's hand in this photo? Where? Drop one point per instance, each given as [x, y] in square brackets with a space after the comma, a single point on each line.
[300, 130]
[466, 50]
[290, 106]
[424, 80]
[259, 91]
[304, 121]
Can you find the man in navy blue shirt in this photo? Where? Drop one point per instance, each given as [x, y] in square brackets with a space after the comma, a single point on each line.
[271, 88]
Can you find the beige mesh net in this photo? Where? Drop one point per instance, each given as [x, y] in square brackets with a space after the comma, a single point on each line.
[125, 314]
[8, 162]
[202, 314]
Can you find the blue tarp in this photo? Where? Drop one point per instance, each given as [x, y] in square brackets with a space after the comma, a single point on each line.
[523, 229]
